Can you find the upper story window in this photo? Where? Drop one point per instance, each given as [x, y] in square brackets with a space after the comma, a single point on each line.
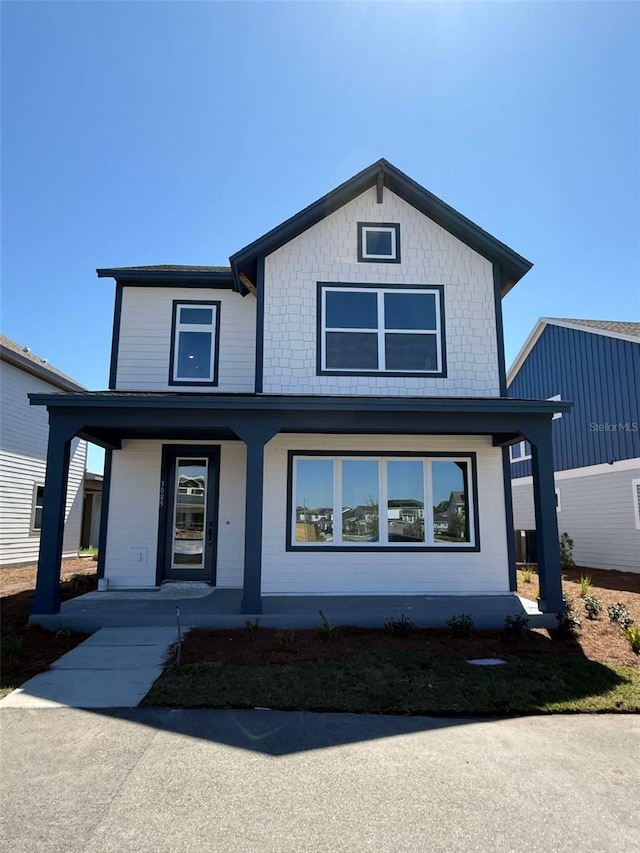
[520, 452]
[194, 343]
[369, 330]
[379, 242]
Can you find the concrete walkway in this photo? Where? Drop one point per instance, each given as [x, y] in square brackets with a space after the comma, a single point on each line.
[171, 781]
[114, 668]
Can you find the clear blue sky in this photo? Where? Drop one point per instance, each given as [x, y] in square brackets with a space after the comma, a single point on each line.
[151, 132]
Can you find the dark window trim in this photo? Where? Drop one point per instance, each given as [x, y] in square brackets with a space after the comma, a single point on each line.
[469, 455]
[441, 374]
[184, 383]
[361, 257]
[33, 530]
[259, 377]
[115, 338]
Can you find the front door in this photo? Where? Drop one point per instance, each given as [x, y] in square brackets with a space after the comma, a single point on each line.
[189, 498]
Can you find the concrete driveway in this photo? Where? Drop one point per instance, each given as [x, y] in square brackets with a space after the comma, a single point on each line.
[161, 780]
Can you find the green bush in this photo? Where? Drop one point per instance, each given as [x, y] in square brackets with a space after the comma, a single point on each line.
[568, 622]
[592, 606]
[400, 627]
[513, 627]
[325, 630]
[585, 585]
[566, 551]
[461, 626]
[285, 640]
[619, 614]
[633, 635]
[527, 574]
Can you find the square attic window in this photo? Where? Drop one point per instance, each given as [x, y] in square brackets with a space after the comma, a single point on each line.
[379, 242]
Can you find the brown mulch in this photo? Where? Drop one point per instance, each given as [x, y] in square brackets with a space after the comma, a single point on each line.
[598, 640]
[29, 649]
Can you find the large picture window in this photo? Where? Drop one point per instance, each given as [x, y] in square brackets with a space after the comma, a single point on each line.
[392, 501]
[194, 343]
[365, 330]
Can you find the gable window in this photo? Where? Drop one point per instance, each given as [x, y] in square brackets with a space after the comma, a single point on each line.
[194, 343]
[36, 509]
[391, 502]
[366, 330]
[379, 242]
[520, 452]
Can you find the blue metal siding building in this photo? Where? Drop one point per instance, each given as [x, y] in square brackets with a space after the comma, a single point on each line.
[601, 375]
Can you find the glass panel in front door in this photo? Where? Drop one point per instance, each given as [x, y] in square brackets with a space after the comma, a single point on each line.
[189, 513]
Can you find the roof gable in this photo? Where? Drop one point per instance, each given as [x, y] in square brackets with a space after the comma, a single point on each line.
[22, 358]
[382, 174]
[625, 331]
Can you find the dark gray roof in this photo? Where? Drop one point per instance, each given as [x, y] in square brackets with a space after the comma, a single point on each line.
[23, 358]
[166, 268]
[617, 326]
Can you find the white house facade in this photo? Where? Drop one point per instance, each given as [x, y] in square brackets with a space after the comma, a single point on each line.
[302, 421]
[24, 431]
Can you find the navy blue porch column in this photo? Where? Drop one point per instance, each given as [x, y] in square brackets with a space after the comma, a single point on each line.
[255, 436]
[47, 595]
[544, 497]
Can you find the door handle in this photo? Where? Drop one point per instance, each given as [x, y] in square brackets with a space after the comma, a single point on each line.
[210, 533]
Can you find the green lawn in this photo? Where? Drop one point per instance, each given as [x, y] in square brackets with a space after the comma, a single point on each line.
[405, 683]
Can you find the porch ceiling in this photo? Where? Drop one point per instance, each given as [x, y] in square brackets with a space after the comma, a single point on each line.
[107, 418]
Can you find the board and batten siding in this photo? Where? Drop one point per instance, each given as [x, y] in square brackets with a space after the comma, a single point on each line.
[596, 510]
[24, 431]
[144, 346]
[342, 573]
[601, 375]
[327, 252]
[132, 532]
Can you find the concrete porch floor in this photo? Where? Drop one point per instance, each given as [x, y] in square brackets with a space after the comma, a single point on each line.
[203, 607]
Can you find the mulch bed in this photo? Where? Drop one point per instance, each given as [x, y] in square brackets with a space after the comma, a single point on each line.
[27, 649]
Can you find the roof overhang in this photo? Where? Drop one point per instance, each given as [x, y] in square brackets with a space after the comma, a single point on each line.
[41, 371]
[511, 265]
[150, 277]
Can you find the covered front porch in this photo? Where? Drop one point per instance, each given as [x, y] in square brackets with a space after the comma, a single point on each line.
[194, 607]
[111, 418]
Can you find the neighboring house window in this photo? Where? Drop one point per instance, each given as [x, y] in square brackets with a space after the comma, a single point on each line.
[195, 343]
[556, 397]
[36, 511]
[368, 330]
[379, 242]
[520, 452]
[558, 501]
[392, 502]
[635, 485]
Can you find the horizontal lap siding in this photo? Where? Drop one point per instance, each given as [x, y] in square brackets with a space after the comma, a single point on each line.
[145, 339]
[24, 433]
[597, 513]
[389, 572]
[134, 513]
[327, 252]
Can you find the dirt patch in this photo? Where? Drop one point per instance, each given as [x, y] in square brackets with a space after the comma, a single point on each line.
[29, 649]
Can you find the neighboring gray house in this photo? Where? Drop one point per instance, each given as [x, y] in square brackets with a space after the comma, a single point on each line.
[351, 357]
[596, 364]
[23, 451]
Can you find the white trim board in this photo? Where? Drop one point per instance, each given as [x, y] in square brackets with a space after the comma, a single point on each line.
[590, 470]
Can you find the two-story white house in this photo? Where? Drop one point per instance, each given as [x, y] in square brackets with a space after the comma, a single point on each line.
[351, 358]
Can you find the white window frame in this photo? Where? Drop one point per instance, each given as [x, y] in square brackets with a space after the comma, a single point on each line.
[523, 446]
[379, 229]
[381, 330]
[429, 543]
[635, 489]
[210, 328]
[35, 505]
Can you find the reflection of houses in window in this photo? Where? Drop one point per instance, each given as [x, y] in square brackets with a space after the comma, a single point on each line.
[450, 518]
[360, 523]
[190, 505]
[405, 519]
[314, 525]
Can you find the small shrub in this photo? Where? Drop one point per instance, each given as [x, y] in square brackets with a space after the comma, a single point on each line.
[12, 644]
[325, 630]
[568, 622]
[63, 631]
[619, 614]
[400, 627]
[527, 574]
[513, 627]
[461, 626]
[566, 551]
[285, 640]
[585, 585]
[252, 627]
[633, 635]
[592, 606]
